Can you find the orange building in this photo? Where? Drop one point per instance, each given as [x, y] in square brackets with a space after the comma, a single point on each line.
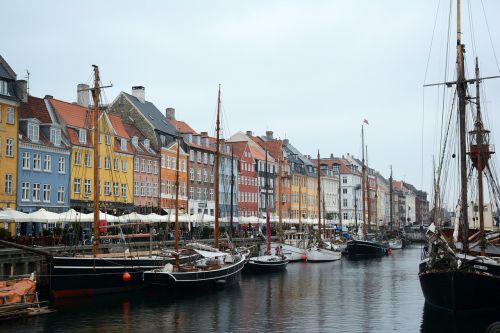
[168, 177]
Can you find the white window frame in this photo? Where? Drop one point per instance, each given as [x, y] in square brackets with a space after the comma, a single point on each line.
[26, 160]
[60, 194]
[10, 118]
[37, 162]
[82, 136]
[9, 147]
[36, 192]
[46, 192]
[25, 191]
[77, 185]
[47, 163]
[62, 165]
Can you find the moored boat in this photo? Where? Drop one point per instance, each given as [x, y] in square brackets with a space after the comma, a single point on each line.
[361, 249]
[318, 254]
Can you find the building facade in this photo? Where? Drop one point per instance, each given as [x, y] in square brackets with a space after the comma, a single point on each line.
[169, 169]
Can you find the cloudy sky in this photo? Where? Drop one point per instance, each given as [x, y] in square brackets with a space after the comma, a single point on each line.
[310, 71]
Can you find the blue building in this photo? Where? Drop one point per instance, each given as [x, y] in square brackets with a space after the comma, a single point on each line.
[43, 163]
[225, 172]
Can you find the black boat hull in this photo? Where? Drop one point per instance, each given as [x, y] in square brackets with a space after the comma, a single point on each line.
[200, 280]
[357, 249]
[461, 290]
[253, 266]
[79, 276]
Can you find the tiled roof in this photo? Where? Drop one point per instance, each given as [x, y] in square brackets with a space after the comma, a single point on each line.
[181, 126]
[132, 131]
[73, 139]
[152, 114]
[118, 148]
[238, 147]
[74, 115]
[117, 124]
[35, 108]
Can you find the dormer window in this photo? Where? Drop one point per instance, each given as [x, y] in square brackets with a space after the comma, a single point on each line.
[123, 144]
[4, 88]
[135, 140]
[108, 139]
[33, 132]
[146, 143]
[82, 136]
[55, 136]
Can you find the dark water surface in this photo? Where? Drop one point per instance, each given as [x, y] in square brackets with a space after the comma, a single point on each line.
[378, 295]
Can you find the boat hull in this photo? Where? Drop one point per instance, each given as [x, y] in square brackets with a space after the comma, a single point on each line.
[256, 265]
[189, 281]
[357, 249]
[291, 253]
[461, 290]
[322, 255]
[80, 276]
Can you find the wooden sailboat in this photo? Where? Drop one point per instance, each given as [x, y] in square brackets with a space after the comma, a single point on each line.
[215, 268]
[319, 252]
[451, 277]
[268, 262]
[363, 247]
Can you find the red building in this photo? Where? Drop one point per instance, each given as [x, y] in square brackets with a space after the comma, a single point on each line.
[247, 179]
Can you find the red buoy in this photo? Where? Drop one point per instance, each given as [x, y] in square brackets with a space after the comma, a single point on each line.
[303, 258]
[126, 277]
[389, 251]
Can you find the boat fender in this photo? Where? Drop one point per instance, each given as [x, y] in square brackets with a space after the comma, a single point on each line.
[303, 258]
[389, 251]
[126, 277]
[168, 268]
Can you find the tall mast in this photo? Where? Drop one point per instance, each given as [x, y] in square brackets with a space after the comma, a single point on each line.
[300, 204]
[363, 180]
[231, 200]
[177, 261]
[319, 201]
[268, 221]
[461, 92]
[216, 171]
[340, 200]
[368, 203]
[280, 218]
[96, 93]
[391, 200]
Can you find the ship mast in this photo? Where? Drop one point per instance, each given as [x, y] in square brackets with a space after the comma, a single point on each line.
[268, 222]
[280, 218]
[319, 201]
[231, 200]
[177, 261]
[363, 180]
[391, 200]
[368, 203]
[216, 170]
[96, 92]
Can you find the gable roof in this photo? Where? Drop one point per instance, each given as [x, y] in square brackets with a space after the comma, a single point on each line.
[73, 115]
[117, 124]
[181, 126]
[238, 147]
[6, 71]
[35, 108]
[132, 131]
[157, 120]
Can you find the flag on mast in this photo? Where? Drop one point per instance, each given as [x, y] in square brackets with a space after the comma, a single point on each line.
[365, 121]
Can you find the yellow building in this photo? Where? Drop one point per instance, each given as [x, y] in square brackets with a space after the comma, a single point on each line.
[9, 117]
[116, 173]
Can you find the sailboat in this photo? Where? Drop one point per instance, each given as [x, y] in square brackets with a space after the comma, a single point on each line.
[215, 268]
[268, 262]
[318, 252]
[452, 277]
[363, 247]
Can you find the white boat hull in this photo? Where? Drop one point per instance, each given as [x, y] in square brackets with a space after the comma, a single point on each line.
[322, 255]
[291, 253]
[395, 244]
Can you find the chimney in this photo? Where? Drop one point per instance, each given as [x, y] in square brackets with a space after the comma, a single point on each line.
[83, 94]
[170, 113]
[22, 90]
[269, 135]
[249, 133]
[48, 97]
[139, 92]
[286, 142]
[204, 133]
[331, 156]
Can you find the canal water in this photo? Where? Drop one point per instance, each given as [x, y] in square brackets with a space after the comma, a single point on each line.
[378, 295]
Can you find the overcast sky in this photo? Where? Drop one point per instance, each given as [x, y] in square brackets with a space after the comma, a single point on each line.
[310, 71]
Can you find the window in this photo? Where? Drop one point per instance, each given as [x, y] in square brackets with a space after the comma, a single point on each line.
[155, 167]
[124, 190]
[150, 166]
[162, 161]
[26, 161]
[162, 189]
[212, 177]
[211, 194]
[88, 162]
[107, 190]
[107, 162]
[115, 164]
[174, 164]
[10, 115]
[62, 165]
[115, 189]
[78, 158]
[87, 186]
[123, 144]
[205, 176]
[8, 184]
[183, 165]
[33, 132]
[344, 202]
[124, 166]
[107, 139]
[143, 165]
[135, 140]
[55, 136]
[4, 88]
[199, 175]
[82, 136]
[9, 147]
[169, 166]
[199, 194]
[199, 157]
[344, 191]
[25, 191]
[46, 192]
[77, 185]
[191, 174]
[36, 192]
[143, 189]
[146, 143]
[148, 189]
[205, 191]
[136, 188]
[211, 159]
[60, 194]
[47, 163]
[205, 158]
[345, 216]
[136, 164]
[344, 180]
[191, 155]
[37, 161]
[168, 187]
[155, 189]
